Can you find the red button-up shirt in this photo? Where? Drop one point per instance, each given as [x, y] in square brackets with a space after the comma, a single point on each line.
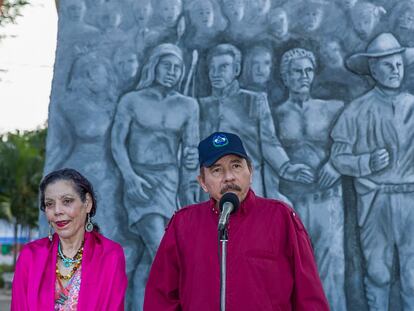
[270, 263]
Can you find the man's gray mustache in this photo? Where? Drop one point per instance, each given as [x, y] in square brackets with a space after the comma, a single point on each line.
[230, 187]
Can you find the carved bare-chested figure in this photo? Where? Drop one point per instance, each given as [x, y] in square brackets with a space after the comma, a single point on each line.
[150, 127]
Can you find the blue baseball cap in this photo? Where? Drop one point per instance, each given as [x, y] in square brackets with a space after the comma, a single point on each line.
[217, 145]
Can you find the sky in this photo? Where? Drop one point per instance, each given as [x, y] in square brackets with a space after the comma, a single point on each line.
[27, 55]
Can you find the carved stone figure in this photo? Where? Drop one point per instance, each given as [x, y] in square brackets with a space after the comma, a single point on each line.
[90, 95]
[247, 113]
[318, 196]
[334, 81]
[373, 142]
[152, 126]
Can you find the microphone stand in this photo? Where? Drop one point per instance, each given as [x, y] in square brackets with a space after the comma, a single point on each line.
[223, 238]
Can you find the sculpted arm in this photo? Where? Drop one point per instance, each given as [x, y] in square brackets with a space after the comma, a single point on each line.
[344, 157]
[273, 151]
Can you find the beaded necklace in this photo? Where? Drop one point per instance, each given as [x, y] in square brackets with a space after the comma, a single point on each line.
[76, 261]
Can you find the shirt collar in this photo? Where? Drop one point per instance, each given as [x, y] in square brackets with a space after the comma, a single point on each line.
[229, 90]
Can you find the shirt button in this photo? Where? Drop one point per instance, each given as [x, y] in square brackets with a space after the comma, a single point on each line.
[294, 214]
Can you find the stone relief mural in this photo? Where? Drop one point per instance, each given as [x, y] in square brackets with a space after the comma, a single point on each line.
[318, 90]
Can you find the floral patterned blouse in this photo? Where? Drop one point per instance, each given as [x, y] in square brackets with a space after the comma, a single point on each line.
[71, 291]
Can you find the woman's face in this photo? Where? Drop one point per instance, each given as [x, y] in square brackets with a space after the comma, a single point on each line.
[203, 15]
[65, 210]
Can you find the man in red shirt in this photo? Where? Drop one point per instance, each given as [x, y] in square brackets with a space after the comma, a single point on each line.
[270, 263]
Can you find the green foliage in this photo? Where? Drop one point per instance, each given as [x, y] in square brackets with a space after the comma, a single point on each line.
[21, 163]
[10, 10]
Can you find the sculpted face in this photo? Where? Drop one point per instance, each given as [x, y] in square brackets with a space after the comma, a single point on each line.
[279, 23]
[126, 64]
[222, 71]
[364, 24]
[98, 78]
[234, 9]
[170, 11]
[75, 11]
[332, 54]
[312, 19]
[142, 13]
[348, 4]
[300, 75]
[261, 67]
[388, 71]
[168, 71]
[229, 174]
[202, 16]
[65, 210]
[406, 20]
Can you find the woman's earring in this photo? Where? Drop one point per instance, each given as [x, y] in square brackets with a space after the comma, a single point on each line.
[89, 224]
[50, 234]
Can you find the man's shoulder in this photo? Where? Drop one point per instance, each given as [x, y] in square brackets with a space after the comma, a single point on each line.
[189, 213]
[254, 95]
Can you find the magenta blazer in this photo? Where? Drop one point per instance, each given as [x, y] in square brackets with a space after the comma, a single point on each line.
[103, 278]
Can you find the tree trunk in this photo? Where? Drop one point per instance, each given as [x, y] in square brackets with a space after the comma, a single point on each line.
[15, 250]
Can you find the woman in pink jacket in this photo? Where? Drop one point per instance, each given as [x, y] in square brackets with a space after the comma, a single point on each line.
[76, 268]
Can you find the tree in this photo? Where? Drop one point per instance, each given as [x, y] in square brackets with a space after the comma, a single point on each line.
[21, 163]
[10, 10]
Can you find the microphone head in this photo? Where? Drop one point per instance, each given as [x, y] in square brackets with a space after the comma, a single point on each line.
[229, 197]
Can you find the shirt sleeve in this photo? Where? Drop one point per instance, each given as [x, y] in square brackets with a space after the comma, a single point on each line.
[345, 135]
[20, 282]
[162, 290]
[308, 294]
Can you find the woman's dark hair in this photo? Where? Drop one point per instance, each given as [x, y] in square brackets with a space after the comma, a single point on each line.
[81, 185]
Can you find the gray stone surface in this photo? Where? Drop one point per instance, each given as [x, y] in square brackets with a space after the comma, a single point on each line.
[127, 116]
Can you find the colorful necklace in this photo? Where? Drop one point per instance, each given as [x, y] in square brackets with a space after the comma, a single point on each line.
[76, 261]
[67, 261]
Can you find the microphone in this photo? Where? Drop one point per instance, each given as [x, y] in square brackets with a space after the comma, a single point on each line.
[228, 204]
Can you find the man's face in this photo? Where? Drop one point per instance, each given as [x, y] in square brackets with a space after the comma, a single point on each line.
[406, 20]
[365, 24]
[300, 75]
[203, 15]
[168, 71]
[279, 24]
[234, 9]
[229, 174]
[75, 11]
[169, 12]
[312, 19]
[332, 54]
[261, 67]
[222, 71]
[126, 65]
[388, 71]
[142, 13]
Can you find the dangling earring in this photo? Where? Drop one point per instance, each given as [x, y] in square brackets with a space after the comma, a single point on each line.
[89, 224]
[50, 234]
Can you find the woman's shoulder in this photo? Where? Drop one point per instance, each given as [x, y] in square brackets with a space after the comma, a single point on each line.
[108, 245]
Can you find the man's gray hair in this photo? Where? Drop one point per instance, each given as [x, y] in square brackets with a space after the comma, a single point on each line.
[225, 49]
[292, 54]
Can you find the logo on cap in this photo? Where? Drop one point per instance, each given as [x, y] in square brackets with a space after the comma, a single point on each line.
[220, 140]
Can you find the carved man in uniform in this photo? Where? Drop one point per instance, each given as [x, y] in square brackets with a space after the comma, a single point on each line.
[247, 113]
